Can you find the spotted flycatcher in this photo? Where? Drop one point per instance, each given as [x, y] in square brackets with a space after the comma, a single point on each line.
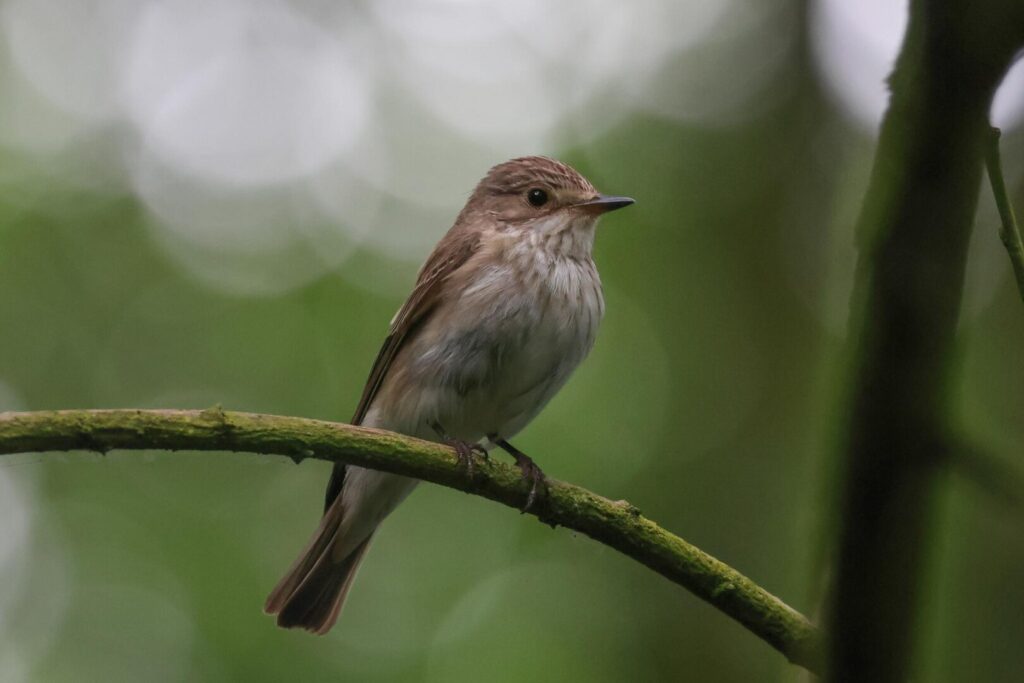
[503, 311]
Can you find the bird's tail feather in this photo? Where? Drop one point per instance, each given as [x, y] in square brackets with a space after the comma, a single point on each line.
[313, 590]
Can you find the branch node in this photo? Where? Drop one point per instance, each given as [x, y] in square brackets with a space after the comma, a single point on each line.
[633, 510]
[301, 454]
[722, 588]
[216, 415]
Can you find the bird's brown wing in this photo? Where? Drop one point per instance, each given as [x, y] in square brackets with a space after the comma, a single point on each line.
[451, 254]
[444, 261]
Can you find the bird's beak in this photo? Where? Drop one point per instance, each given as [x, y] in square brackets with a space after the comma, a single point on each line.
[604, 203]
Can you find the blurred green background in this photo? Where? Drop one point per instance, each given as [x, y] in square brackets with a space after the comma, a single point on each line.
[225, 202]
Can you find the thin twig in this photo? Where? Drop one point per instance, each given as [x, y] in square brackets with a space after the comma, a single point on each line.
[617, 524]
[1009, 233]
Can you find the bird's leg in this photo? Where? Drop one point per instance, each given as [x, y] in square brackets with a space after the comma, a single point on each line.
[531, 472]
[463, 449]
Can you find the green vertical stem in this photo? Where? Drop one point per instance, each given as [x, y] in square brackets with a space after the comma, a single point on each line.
[1009, 233]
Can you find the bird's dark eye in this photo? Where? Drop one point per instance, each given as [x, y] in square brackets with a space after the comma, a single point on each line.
[537, 197]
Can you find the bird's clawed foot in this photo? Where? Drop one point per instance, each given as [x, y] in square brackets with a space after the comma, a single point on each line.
[463, 449]
[464, 452]
[531, 472]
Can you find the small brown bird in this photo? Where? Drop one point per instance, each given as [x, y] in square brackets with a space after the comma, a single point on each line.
[503, 311]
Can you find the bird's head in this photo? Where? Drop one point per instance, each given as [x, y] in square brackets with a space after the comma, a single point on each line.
[541, 196]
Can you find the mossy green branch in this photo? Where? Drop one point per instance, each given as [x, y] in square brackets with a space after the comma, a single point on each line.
[617, 524]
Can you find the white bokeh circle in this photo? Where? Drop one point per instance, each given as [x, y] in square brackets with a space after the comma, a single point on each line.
[855, 46]
[243, 94]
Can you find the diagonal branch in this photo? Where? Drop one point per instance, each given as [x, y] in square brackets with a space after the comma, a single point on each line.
[617, 524]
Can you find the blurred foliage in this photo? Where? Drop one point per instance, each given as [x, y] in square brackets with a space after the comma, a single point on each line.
[708, 402]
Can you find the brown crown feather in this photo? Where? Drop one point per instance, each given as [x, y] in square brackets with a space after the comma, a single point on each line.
[518, 175]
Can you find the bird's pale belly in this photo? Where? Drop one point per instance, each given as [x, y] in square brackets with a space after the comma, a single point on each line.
[490, 375]
[515, 388]
[504, 378]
